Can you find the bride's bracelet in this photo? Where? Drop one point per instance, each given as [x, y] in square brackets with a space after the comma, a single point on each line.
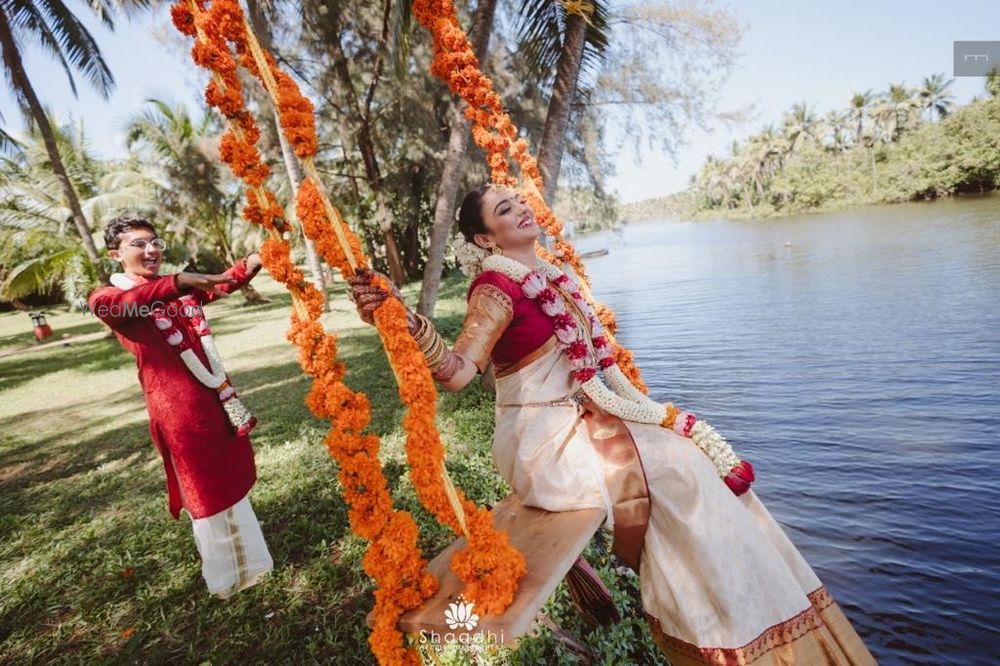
[443, 362]
[431, 344]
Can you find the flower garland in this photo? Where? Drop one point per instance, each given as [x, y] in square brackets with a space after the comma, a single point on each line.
[493, 130]
[214, 377]
[588, 356]
[490, 566]
[393, 558]
[470, 256]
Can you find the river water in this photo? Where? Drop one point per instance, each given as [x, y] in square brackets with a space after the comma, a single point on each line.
[854, 358]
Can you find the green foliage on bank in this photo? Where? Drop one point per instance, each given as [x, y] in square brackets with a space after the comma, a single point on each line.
[904, 145]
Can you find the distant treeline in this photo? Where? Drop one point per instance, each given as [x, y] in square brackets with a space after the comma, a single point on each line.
[901, 145]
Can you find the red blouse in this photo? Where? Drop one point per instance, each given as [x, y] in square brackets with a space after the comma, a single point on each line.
[529, 326]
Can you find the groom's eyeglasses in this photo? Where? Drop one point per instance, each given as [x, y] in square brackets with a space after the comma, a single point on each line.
[141, 244]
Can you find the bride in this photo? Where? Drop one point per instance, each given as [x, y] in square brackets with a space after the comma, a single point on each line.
[721, 583]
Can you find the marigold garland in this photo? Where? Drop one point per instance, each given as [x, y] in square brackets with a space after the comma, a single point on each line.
[490, 566]
[393, 559]
[493, 130]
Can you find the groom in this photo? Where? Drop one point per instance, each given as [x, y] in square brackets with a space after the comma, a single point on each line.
[196, 420]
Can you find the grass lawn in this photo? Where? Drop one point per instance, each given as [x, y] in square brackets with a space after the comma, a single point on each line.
[93, 568]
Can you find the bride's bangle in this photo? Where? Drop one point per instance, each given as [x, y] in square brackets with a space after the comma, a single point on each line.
[431, 344]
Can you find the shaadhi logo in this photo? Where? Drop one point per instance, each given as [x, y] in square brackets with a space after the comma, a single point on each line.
[460, 615]
[461, 619]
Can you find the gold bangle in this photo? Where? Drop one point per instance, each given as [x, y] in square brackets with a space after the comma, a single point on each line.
[437, 354]
[430, 342]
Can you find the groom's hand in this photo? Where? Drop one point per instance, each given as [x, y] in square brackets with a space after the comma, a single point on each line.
[254, 262]
[205, 282]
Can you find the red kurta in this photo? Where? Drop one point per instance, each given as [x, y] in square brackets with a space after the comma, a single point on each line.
[208, 467]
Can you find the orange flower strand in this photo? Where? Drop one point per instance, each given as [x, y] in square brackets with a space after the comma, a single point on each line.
[364, 484]
[490, 566]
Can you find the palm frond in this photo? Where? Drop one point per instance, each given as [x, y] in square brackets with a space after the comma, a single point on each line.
[28, 23]
[78, 45]
[541, 26]
[8, 144]
[38, 274]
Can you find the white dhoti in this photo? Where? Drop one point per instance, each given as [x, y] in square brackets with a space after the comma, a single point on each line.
[233, 553]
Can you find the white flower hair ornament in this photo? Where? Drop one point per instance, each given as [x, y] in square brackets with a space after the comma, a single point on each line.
[470, 256]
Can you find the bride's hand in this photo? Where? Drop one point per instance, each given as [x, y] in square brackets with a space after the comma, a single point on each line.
[367, 296]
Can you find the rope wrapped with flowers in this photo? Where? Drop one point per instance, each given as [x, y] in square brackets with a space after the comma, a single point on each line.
[490, 566]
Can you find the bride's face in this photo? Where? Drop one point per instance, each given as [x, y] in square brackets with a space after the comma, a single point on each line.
[508, 218]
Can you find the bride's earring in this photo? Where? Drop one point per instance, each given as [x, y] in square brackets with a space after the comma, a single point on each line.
[496, 249]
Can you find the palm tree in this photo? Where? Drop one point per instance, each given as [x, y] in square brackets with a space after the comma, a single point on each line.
[553, 38]
[907, 106]
[37, 249]
[935, 97]
[837, 124]
[800, 125]
[52, 25]
[860, 105]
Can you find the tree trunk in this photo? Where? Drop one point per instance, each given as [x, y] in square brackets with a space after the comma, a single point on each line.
[451, 175]
[874, 175]
[22, 87]
[563, 91]
[294, 171]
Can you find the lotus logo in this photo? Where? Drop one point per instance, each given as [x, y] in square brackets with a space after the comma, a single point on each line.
[460, 615]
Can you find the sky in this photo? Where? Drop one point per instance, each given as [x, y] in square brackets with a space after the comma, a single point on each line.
[818, 51]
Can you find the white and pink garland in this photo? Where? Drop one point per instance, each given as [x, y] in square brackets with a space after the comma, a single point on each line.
[214, 377]
[588, 356]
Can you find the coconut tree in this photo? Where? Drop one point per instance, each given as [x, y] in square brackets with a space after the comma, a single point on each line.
[861, 103]
[800, 125]
[51, 25]
[934, 96]
[38, 250]
[566, 38]
[906, 104]
[837, 125]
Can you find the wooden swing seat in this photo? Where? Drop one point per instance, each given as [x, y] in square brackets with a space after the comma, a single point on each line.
[550, 542]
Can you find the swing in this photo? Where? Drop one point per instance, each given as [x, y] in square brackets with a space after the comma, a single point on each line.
[550, 542]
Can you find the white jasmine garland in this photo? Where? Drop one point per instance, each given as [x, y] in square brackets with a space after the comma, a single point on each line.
[620, 384]
[623, 399]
